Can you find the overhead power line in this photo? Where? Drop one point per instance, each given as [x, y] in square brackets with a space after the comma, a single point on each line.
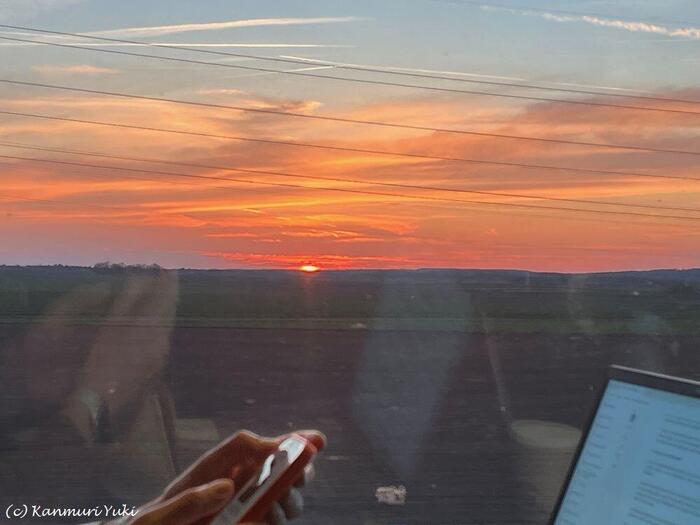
[339, 179]
[337, 148]
[363, 192]
[350, 67]
[11, 197]
[356, 80]
[349, 120]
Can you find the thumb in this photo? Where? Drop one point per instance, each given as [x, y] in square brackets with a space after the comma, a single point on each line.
[190, 506]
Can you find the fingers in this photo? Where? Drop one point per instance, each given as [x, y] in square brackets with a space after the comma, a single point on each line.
[259, 445]
[307, 477]
[237, 457]
[243, 451]
[190, 506]
[317, 438]
[276, 515]
[292, 504]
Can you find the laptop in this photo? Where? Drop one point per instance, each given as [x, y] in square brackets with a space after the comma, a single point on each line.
[638, 462]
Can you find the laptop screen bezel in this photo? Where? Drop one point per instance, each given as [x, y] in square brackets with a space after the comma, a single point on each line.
[662, 382]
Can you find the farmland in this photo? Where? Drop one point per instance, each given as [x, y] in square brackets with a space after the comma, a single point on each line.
[416, 376]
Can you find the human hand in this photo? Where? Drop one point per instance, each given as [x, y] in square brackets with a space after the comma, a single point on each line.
[208, 485]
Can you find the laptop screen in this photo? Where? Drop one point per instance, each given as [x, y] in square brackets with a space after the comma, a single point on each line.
[640, 464]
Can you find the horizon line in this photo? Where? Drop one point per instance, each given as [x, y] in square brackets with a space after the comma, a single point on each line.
[145, 267]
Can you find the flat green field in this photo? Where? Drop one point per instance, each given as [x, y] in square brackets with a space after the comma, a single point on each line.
[660, 302]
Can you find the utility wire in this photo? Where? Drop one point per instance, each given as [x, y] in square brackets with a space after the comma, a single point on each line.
[350, 67]
[349, 120]
[356, 80]
[339, 148]
[360, 192]
[10, 197]
[349, 180]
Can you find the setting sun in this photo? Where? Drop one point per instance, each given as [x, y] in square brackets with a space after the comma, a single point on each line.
[309, 268]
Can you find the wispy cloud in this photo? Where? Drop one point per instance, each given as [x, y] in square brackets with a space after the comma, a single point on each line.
[69, 40]
[295, 106]
[402, 69]
[221, 91]
[79, 69]
[252, 101]
[636, 27]
[187, 44]
[692, 33]
[456, 74]
[216, 26]
[298, 70]
[327, 261]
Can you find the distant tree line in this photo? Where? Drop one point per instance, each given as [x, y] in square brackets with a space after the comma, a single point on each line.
[109, 267]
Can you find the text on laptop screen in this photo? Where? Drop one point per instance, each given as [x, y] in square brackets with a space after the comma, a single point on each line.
[640, 464]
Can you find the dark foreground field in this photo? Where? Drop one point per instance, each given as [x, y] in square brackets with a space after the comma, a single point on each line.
[416, 378]
[415, 409]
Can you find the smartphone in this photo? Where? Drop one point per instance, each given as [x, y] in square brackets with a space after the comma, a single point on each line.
[278, 473]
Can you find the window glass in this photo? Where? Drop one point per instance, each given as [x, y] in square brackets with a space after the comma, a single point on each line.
[432, 254]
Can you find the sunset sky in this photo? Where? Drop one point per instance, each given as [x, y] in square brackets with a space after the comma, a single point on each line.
[71, 214]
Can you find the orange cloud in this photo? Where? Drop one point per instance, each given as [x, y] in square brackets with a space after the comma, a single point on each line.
[323, 261]
[77, 69]
[231, 223]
